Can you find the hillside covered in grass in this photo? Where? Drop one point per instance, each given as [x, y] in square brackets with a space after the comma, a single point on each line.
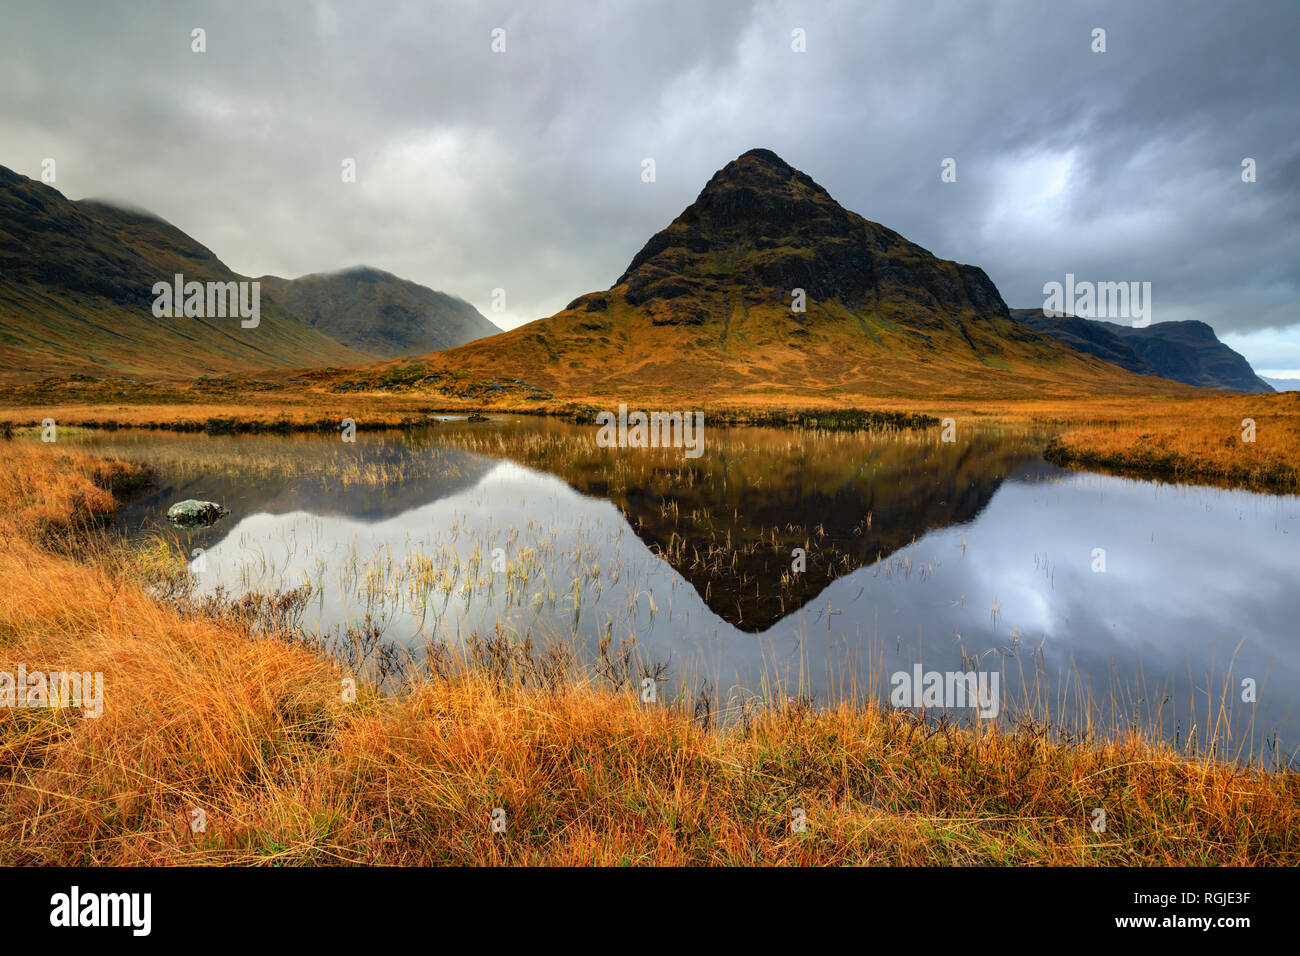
[76, 281]
[75, 296]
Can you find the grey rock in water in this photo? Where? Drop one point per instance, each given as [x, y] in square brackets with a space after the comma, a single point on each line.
[191, 511]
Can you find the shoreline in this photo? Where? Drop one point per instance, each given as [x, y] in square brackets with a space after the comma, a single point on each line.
[1145, 462]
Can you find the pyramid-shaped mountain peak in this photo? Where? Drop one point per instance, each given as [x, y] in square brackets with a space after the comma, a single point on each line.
[756, 164]
[766, 282]
[760, 186]
[761, 232]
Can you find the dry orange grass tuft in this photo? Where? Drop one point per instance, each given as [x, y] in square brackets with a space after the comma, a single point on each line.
[208, 714]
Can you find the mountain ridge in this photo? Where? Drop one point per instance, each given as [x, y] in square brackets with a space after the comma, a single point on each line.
[708, 302]
[76, 297]
[1185, 351]
[76, 280]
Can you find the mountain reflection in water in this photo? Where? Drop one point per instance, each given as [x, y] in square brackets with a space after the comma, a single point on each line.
[974, 554]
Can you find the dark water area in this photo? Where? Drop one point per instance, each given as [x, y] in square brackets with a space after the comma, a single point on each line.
[819, 563]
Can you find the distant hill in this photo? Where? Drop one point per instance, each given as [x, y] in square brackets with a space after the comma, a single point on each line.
[1187, 352]
[1283, 384]
[707, 304]
[76, 283]
[378, 313]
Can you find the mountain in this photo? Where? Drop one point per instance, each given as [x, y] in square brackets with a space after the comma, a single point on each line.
[1094, 338]
[378, 313]
[1283, 384]
[76, 282]
[1187, 352]
[707, 304]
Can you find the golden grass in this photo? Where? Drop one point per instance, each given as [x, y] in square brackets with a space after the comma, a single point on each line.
[251, 727]
[1181, 434]
[1201, 442]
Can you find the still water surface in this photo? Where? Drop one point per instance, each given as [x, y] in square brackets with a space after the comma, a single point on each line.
[976, 555]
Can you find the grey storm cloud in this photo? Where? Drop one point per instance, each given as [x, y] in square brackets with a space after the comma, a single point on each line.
[522, 170]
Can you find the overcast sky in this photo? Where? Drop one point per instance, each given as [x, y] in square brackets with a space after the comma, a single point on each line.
[521, 170]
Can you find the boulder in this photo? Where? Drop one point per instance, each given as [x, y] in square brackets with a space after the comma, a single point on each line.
[191, 511]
